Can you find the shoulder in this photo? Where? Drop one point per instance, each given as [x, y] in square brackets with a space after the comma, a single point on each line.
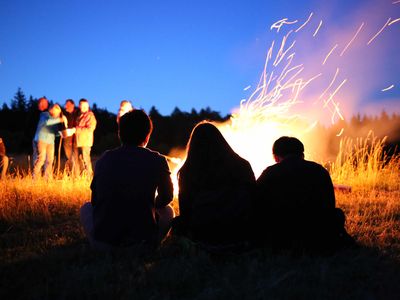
[44, 115]
[153, 154]
[315, 166]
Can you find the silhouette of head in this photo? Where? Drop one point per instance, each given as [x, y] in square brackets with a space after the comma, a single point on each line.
[135, 128]
[125, 106]
[83, 105]
[43, 104]
[207, 148]
[69, 105]
[55, 111]
[287, 146]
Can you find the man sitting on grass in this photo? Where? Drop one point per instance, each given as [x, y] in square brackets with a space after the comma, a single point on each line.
[296, 203]
[124, 210]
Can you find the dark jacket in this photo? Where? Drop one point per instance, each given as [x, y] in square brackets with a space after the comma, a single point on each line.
[72, 118]
[124, 186]
[216, 208]
[295, 203]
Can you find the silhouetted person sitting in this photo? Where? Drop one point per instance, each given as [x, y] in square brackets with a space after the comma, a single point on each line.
[215, 190]
[296, 203]
[124, 208]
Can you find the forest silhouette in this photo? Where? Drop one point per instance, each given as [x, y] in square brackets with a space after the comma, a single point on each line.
[18, 121]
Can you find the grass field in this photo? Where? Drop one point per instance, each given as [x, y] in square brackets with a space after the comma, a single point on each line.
[44, 254]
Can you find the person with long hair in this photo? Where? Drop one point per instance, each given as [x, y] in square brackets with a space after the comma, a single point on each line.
[215, 190]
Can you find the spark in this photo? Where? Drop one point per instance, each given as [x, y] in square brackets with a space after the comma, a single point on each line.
[336, 110]
[358, 31]
[319, 26]
[395, 2]
[247, 87]
[394, 21]
[341, 132]
[330, 52]
[384, 26]
[278, 25]
[388, 88]
[305, 23]
[329, 86]
[281, 52]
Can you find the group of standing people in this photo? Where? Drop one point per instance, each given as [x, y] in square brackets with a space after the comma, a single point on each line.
[76, 126]
[290, 206]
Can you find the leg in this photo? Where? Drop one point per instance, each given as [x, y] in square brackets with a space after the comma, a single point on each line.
[34, 152]
[75, 167]
[3, 166]
[86, 160]
[86, 216]
[165, 214]
[40, 159]
[67, 145]
[48, 168]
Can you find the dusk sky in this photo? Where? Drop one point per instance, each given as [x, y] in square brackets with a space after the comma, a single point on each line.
[188, 54]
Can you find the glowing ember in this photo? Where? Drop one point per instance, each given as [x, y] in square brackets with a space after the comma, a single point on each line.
[388, 88]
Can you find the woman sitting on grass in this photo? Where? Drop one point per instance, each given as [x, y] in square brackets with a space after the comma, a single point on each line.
[215, 190]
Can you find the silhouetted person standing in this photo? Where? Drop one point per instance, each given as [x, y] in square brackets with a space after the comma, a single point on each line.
[3, 159]
[124, 209]
[43, 105]
[124, 107]
[296, 202]
[69, 142]
[45, 135]
[85, 126]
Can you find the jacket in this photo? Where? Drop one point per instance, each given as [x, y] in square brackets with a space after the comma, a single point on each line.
[86, 124]
[47, 128]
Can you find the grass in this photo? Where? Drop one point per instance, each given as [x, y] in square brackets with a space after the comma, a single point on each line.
[44, 254]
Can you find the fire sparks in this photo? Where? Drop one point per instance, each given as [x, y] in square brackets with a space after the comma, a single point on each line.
[388, 88]
[351, 41]
[278, 25]
[319, 26]
[329, 54]
[379, 32]
[305, 23]
[277, 105]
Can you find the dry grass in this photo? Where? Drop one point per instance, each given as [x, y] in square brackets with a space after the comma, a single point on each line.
[44, 254]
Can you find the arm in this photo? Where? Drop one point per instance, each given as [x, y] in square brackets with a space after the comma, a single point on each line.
[52, 121]
[165, 188]
[89, 125]
[329, 191]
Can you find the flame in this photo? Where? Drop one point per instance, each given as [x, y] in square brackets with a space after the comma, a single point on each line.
[274, 107]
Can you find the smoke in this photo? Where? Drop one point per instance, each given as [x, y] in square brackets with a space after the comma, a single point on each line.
[346, 61]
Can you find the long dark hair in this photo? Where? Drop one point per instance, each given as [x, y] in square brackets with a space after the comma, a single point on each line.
[208, 154]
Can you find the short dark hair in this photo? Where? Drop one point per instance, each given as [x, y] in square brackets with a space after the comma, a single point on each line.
[83, 100]
[134, 127]
[70, 101]
[286, 145]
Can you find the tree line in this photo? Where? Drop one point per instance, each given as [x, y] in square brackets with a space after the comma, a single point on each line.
[18, 122]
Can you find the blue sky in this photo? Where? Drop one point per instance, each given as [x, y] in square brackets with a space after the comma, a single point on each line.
[189, 54]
